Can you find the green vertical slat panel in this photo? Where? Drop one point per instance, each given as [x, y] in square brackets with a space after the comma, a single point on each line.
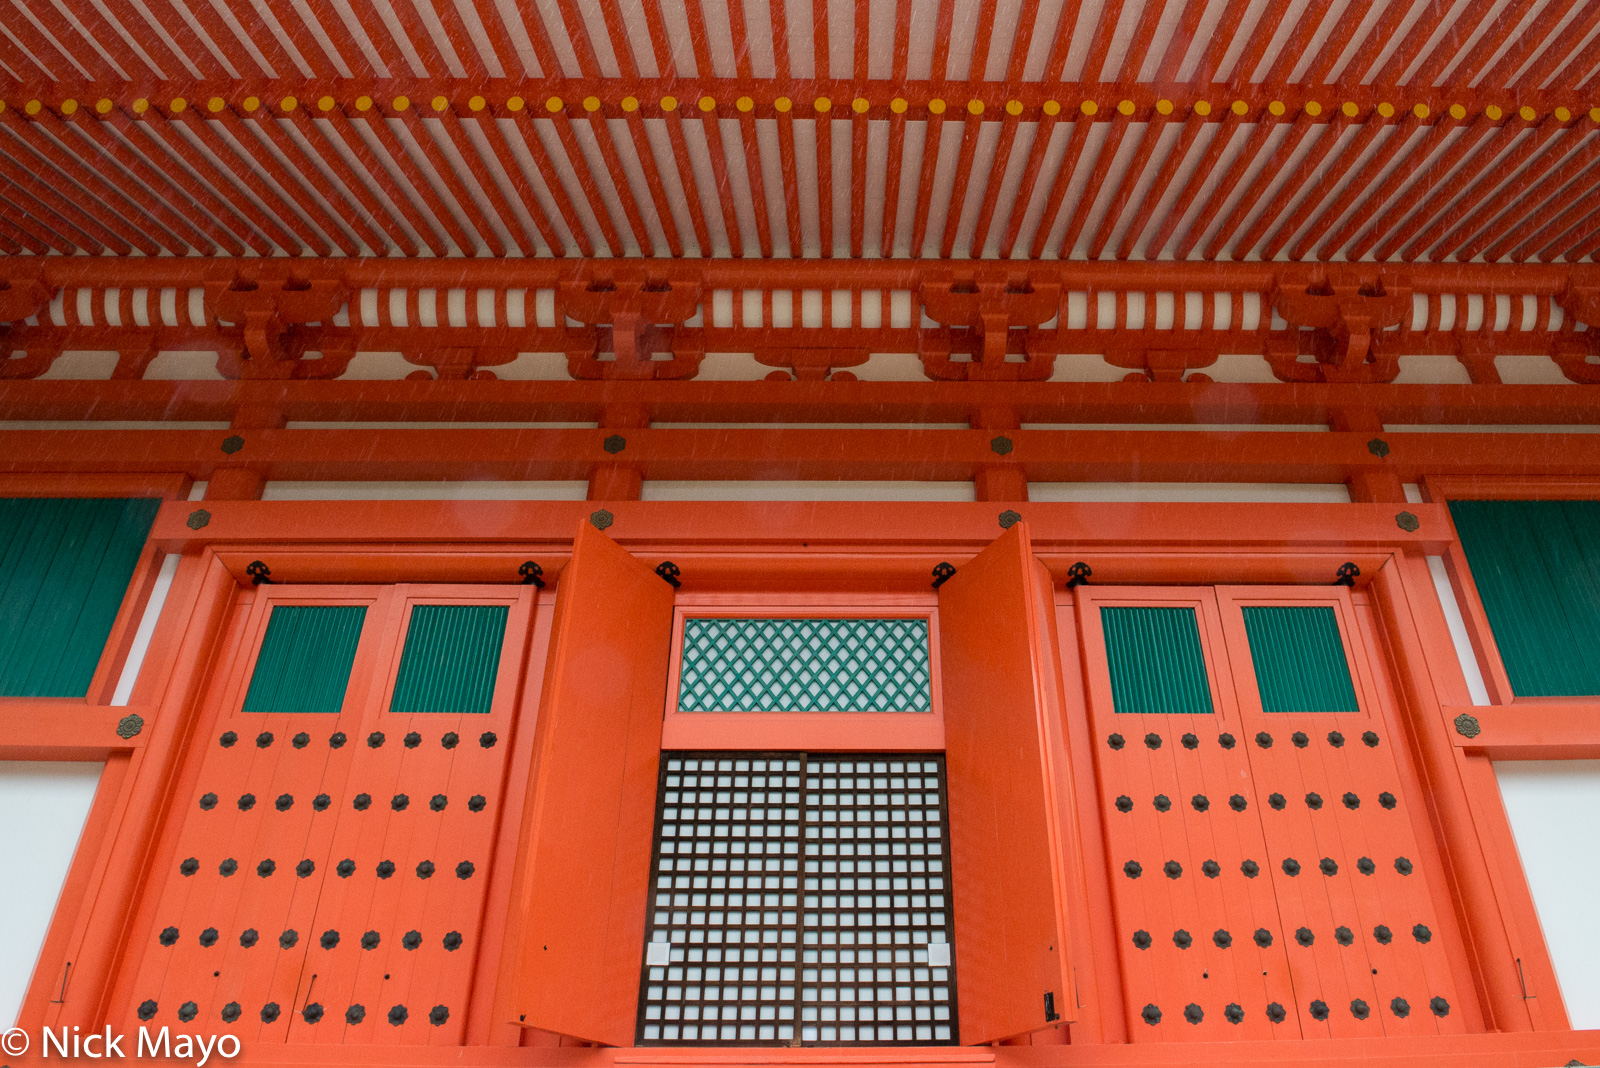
[305, 659]
[451, 657]
[1156, 663]
[1537, 568]
[65, 564]
[1299, 659]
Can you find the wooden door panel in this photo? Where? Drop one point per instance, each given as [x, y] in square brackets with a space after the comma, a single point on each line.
[584, 872]
[1176, 789]
[1363, 886]
[1007, 862]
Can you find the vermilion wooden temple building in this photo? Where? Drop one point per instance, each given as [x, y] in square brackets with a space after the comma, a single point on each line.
[802, 532]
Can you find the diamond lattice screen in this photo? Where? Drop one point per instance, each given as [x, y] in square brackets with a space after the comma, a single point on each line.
[799, 899]
[805, 665]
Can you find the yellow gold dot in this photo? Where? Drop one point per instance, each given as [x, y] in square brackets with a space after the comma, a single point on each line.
[1594, 114]
[898, 105]
[782, 105]
[1013, 108]
[1386, 109]
[1052, 108]
[251, 103]
[1164, 106]
[708, 104]
[178, 104]
[440, 103]
[1125, 107]
[669, 103]
[975, 107]
[1562, 115]
[1457, 112]
[860, 105]
[2, 107]
[1088, 107]
[1350, 109]
[216, 104]
[553, 104]
[1494, 113]
[1313, 108]
[103, 105]
[33, 107]
[1276, 107]
[363, 103]
[745, 104]
[936, 106]
[401, 103]
[823, 105]
[516, 104]
[591, 103]
[326, 103]
[1202, 108]
[140, 106]
[1527, 113]
[288, 103]
[68, 106]
[1421, 111]
[1239, 107]
[630, 104]
[477, 103]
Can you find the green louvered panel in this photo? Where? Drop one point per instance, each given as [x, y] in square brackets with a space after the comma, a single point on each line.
[1537, 568]
[65, 564]
[805, 665]
[451, 657]
[1299, 659]
[305, 658]
[1157, 665]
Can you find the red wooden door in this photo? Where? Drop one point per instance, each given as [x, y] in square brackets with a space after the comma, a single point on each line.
[1352, 881]
[584, 875]
[1198, 932]
[1001, 747]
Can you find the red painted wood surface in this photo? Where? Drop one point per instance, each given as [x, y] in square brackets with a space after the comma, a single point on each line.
[581, 894]
[1007, 864]
[329, 937]
[1174, 760]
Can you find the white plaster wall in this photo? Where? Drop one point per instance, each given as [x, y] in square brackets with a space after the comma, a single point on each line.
[819, 490]
[1226, 492]
[43, 806]
[425, 491]
[1553, 805]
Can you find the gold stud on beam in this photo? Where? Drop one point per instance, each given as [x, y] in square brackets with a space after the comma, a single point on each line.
[177, 105]
[1088, 107]
[668, 103]
[477, 103]
[899, 105]
[554, 104]
[1013, 108]
[1239, 107]
[1163, 106]
[591, 104]
[1562, 114]
[288, 103]
[68, 106]
[1051, 108]
[1421, 111]
[440, 103]
[782, 105]
[708, 103]
[936, 106]
[1457, 112]
[33, 107]
[140, 106]
[630, 104]
[363, 103]
[1202, 108]
[1527, 114]
[1350, 109]
[401, 103]
[860, 105]
[326, 103]
[1276, 108]
[1313, 108]
[516, 104]
[1125, 108]
[823, 105]
[1494, 113]
[216, 104]
[104, 105]
[745, 104]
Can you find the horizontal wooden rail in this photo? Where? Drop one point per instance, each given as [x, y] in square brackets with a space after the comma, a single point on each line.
[786, 453]
[64, 729]
[1529, 730]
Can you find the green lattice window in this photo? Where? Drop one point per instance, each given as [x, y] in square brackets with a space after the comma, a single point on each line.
[305, 659]
[805, 665]
[1156, 662]
[1299, 659]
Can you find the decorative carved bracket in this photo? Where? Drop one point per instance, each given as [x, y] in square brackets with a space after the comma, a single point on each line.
[643, 312]
[1582, 303]
[265, 311]
[1346, 315]
[1179, 352]
[977, 312]
[21, 296]
[812, 364]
